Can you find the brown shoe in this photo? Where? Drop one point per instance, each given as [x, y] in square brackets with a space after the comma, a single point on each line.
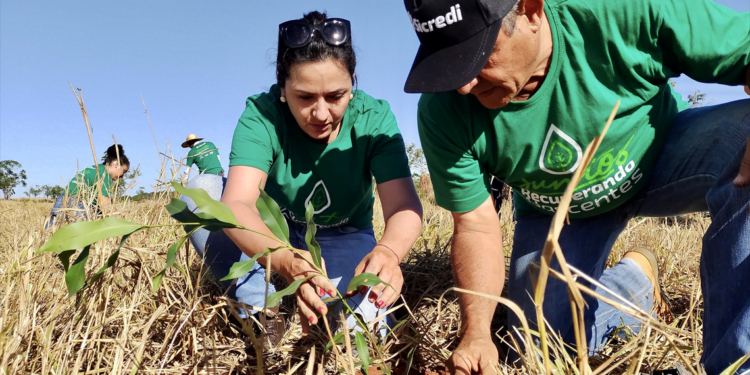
[661, 303]
[275, 326]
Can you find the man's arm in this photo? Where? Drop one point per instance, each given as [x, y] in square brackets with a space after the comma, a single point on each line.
[478, 265]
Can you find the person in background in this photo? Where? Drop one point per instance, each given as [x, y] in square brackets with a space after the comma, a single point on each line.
[314, 139]
[93, 185]
[203, 154]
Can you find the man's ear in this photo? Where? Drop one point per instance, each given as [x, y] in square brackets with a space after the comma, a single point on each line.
[534, 12]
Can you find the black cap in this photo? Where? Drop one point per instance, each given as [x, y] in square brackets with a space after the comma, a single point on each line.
[456, 38]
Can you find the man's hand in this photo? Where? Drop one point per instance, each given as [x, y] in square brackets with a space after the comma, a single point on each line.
[476, 354]
[743, 177]
[310, 292]
[385, 264]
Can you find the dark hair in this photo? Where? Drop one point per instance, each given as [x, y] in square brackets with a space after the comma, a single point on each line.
[317, 50]
[111, 155]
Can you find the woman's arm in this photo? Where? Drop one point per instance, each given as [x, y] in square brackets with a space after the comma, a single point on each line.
[240, 194]
[402, 213]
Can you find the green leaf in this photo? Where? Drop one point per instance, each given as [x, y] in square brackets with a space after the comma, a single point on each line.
[240, 269]
[338, 339]
[275, 298]
[362, 350]
[110, 261]
[216, 209]
[171, 257]
[735, 367]
[75, 277]
[179, 211]
[312, 244]
[78, 235]
[365, 279]
[410, 359]
[65, 258]
[270, 213]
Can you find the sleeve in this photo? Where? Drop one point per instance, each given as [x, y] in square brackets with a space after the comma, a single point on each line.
[106, 182]
[707, 41]
[388, 160]
[459, 180]
[190, 159]
[252, 143]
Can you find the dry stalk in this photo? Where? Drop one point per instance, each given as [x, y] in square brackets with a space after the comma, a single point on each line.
[551, 247]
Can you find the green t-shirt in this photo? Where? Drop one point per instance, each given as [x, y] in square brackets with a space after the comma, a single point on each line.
[602, 51]
[88, 178]
[206, 156]
[335, 177]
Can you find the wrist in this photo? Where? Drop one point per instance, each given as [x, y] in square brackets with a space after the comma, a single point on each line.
[388, 250]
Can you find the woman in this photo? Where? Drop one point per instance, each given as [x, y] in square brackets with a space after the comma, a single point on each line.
[86, 185]
[313, 139]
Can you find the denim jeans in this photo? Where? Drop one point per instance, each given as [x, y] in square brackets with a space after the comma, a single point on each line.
[693, 173]
[63, 202]
[342, 248]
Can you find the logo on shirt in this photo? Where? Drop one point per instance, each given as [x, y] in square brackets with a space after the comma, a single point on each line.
[319, 197]
[439, 22]
[560, 154]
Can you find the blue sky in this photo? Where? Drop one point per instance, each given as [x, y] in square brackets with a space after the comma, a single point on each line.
[193, 62]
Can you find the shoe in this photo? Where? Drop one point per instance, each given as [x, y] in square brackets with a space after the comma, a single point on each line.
[660, 301]
[275, 326]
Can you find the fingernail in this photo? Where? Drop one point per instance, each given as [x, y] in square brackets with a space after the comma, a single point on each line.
[380, 304]
[330, 292]
[320, 292]
[311, 319]
[320, 309]
[372, 299]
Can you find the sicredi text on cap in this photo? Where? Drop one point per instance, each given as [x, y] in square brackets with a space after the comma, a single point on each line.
[453, 16]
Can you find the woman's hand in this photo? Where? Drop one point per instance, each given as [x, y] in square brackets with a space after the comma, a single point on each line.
[387, 266]
[309, 294]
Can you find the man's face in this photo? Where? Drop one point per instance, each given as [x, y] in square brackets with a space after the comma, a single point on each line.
[512, 72]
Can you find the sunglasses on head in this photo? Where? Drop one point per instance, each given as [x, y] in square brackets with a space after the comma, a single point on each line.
[299, 33]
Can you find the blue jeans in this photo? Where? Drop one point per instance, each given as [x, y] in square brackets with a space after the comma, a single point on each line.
[693, 173]
[63, 202]
[342, 249]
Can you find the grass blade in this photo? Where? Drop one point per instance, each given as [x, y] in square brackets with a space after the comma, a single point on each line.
[312, 244]
[110, 261]
[171, 257]
[362, 350]
[270, 213]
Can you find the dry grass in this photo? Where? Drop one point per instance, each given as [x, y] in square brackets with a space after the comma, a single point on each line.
[119, 326]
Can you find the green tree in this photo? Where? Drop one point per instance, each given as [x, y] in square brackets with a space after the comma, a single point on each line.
[417, 162]
[34, 191]
[127, 181]
[53, 191]
[11, 176]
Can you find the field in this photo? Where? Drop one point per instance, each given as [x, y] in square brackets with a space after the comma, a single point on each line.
[119, 327]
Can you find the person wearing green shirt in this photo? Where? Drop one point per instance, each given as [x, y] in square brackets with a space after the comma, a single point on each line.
[204, 155]
[314, 139]
[518, 89]
[92, 187]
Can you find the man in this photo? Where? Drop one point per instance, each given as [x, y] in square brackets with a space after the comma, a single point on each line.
[518, 90]
[204, 154]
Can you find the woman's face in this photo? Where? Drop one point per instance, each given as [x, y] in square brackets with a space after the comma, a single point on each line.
[116, 171]
[318, 95]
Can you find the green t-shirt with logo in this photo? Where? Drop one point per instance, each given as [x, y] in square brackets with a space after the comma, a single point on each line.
[602, 51]
[206, 156]
[337, 177]
[87, 179]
